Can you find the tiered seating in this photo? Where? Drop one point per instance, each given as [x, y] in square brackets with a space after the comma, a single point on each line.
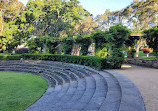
[79, 88]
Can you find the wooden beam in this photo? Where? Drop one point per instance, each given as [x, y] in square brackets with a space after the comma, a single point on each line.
[137, 34]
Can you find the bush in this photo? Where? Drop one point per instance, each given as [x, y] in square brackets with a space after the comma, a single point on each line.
[117, 36]
[102, 53]
[84, 41]
[67, 46]
[51, 45]
[131, 53]
[10, 57]
[32, 45]
[21, 50]
[96, 62]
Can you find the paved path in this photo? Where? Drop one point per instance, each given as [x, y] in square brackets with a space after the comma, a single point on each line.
[146, 79]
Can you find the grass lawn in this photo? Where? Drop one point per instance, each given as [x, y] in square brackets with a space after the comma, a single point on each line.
[18, 90]
[151, 58]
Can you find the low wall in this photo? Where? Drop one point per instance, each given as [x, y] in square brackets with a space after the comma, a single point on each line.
[143, 62]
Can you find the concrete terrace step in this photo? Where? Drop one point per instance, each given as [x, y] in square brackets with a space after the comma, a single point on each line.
[131, 98]
[79, 88]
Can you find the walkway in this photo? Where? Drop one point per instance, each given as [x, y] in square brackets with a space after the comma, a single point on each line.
[146, 79]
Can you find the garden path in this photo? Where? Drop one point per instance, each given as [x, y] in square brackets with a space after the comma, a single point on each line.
[146, 79]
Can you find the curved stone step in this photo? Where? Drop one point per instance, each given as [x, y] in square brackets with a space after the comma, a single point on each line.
[131, 98]
[112, 99]
[43, 67]
[99, 95]
[72, 96]
[57, 79]
[78, 87]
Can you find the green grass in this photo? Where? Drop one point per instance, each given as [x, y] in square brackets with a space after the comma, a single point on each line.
[18, 90]
[151, 58]
[141, 54]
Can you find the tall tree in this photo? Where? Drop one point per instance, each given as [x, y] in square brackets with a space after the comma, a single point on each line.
[56, 17]
[9, 10]
[86, 26]
[105, 20]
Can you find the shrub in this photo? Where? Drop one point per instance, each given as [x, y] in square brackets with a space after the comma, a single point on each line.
[96, 62]
[100, 41]
[67, 46]
[21, 50]
[32, 45]
[117, 36]
[102, 53]
[51, 45]
[10, 57]
[84, 41]
[130, 53]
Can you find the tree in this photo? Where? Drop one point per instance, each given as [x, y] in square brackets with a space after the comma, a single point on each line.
[17, 31]
[55, 18]
[141, 14]
[86, 26]
[9, 10]
[105, 20]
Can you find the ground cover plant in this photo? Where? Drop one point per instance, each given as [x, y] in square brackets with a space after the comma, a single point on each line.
[18, 91]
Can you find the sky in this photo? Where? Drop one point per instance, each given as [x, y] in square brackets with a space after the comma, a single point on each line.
[96, 7]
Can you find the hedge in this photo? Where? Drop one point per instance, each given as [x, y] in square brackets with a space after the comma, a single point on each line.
[95, 62]
[10, 57]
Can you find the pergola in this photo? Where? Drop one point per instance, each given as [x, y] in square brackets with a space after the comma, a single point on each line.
[137, 34]
[137, 37]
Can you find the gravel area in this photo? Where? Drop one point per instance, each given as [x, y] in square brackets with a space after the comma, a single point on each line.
[146, 79]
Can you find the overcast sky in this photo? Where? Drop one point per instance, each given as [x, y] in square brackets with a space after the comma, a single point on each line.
[99, 6]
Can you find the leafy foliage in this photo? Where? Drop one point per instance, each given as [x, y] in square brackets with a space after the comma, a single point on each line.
[32, 45]
[100, 40]
[102, 53]
[84, 41]
[67, 45]
[96, 62]
[117, 36]
[152, 38]
[37, 43]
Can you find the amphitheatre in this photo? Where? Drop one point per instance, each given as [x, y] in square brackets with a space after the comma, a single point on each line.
[76, 87]
[78, 55]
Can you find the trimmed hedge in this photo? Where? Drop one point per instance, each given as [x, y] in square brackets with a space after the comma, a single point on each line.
[95, 62]
[10, 57]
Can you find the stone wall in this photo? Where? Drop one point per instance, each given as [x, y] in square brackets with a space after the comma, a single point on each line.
[143, 62]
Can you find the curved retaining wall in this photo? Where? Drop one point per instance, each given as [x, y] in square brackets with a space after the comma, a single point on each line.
[143, 62]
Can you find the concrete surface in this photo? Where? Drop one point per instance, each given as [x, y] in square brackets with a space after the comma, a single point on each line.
[146, 79]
